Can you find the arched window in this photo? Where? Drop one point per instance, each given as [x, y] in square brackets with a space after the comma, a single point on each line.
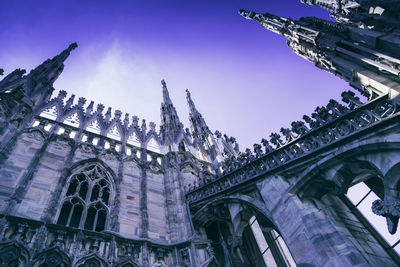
[86, 203]
[361, 196]
[271, 245]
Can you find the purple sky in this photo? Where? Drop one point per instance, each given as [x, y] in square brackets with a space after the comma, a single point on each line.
[244, 80]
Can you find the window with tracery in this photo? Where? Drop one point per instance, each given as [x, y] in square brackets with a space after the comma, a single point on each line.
[86, 203]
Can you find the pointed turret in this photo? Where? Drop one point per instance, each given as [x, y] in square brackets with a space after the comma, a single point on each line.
[171, 127]
[352, 53]
[197, 123]
[202, 133]
[269, 21]
[50, 69]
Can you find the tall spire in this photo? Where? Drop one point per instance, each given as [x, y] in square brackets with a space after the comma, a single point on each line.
[197, 123]
[171, 127]
[50, 69]
[352, 53]
[201, 132]
[166, 98]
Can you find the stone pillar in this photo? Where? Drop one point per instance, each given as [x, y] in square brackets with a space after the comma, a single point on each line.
[313, 236]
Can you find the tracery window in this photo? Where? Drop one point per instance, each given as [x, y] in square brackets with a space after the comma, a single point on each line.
[86, 203]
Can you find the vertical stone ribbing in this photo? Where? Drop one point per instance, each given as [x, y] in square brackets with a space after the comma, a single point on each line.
[143, 203]
[169, 200]
[10, 139]
[25, 181]
[117, 202]
[56, 195]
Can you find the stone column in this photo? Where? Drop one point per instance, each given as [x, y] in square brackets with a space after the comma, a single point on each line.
[313, 236]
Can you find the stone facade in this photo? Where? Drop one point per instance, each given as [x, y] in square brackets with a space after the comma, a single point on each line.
[85, 186]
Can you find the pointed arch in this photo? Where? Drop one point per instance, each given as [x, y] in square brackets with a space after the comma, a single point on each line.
[88, 196]
[71, 118]
[392, 177]
[91, 260]
[53, 257]
[153, 144]
[127, 263]
[13, 254]
[326, 174]
[38, 130]
[50, 112]
[114, 132]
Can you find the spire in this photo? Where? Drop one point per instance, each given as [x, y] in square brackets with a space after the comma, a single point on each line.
[340, 48]
[200, 130]
[269, 21]
[50, 69]
[197, 123]
[171, 127]
[166, 98]
[192, 107]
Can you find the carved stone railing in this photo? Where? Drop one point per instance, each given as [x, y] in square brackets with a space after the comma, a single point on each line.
[89, 118]
[77, 244]
[331, 125]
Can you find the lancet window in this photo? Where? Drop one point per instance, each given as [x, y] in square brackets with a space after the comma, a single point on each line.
[273, 248]
[86, 203]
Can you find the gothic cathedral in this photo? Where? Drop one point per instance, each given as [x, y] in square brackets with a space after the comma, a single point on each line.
[81, 185]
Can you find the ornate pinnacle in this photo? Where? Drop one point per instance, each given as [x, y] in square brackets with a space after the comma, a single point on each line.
[47, 72]
[64, 54]
[192, 107]
[269, 21]
[166, 98]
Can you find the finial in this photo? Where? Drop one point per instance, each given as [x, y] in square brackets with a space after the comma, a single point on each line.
[163, 83]
[190, 102]
[64, 54]
[166, 98]
[72, 46]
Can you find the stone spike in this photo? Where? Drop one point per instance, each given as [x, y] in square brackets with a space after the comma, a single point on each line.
[108, 114]
[81, 101]
[89, 109]
[61, 94]
[70, 101]
[49, 70]
[117, 114]
[269, 21]
[126, 119]
[100, 108]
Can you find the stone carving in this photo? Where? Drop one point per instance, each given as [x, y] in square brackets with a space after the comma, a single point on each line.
[160, 255]
[87, 149]
[185, 254]
[258, 150]
[13, 254]
[390, 210]
[324, 131]
[234, 242]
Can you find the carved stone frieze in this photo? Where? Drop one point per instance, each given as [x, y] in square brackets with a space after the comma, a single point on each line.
[329, 129]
